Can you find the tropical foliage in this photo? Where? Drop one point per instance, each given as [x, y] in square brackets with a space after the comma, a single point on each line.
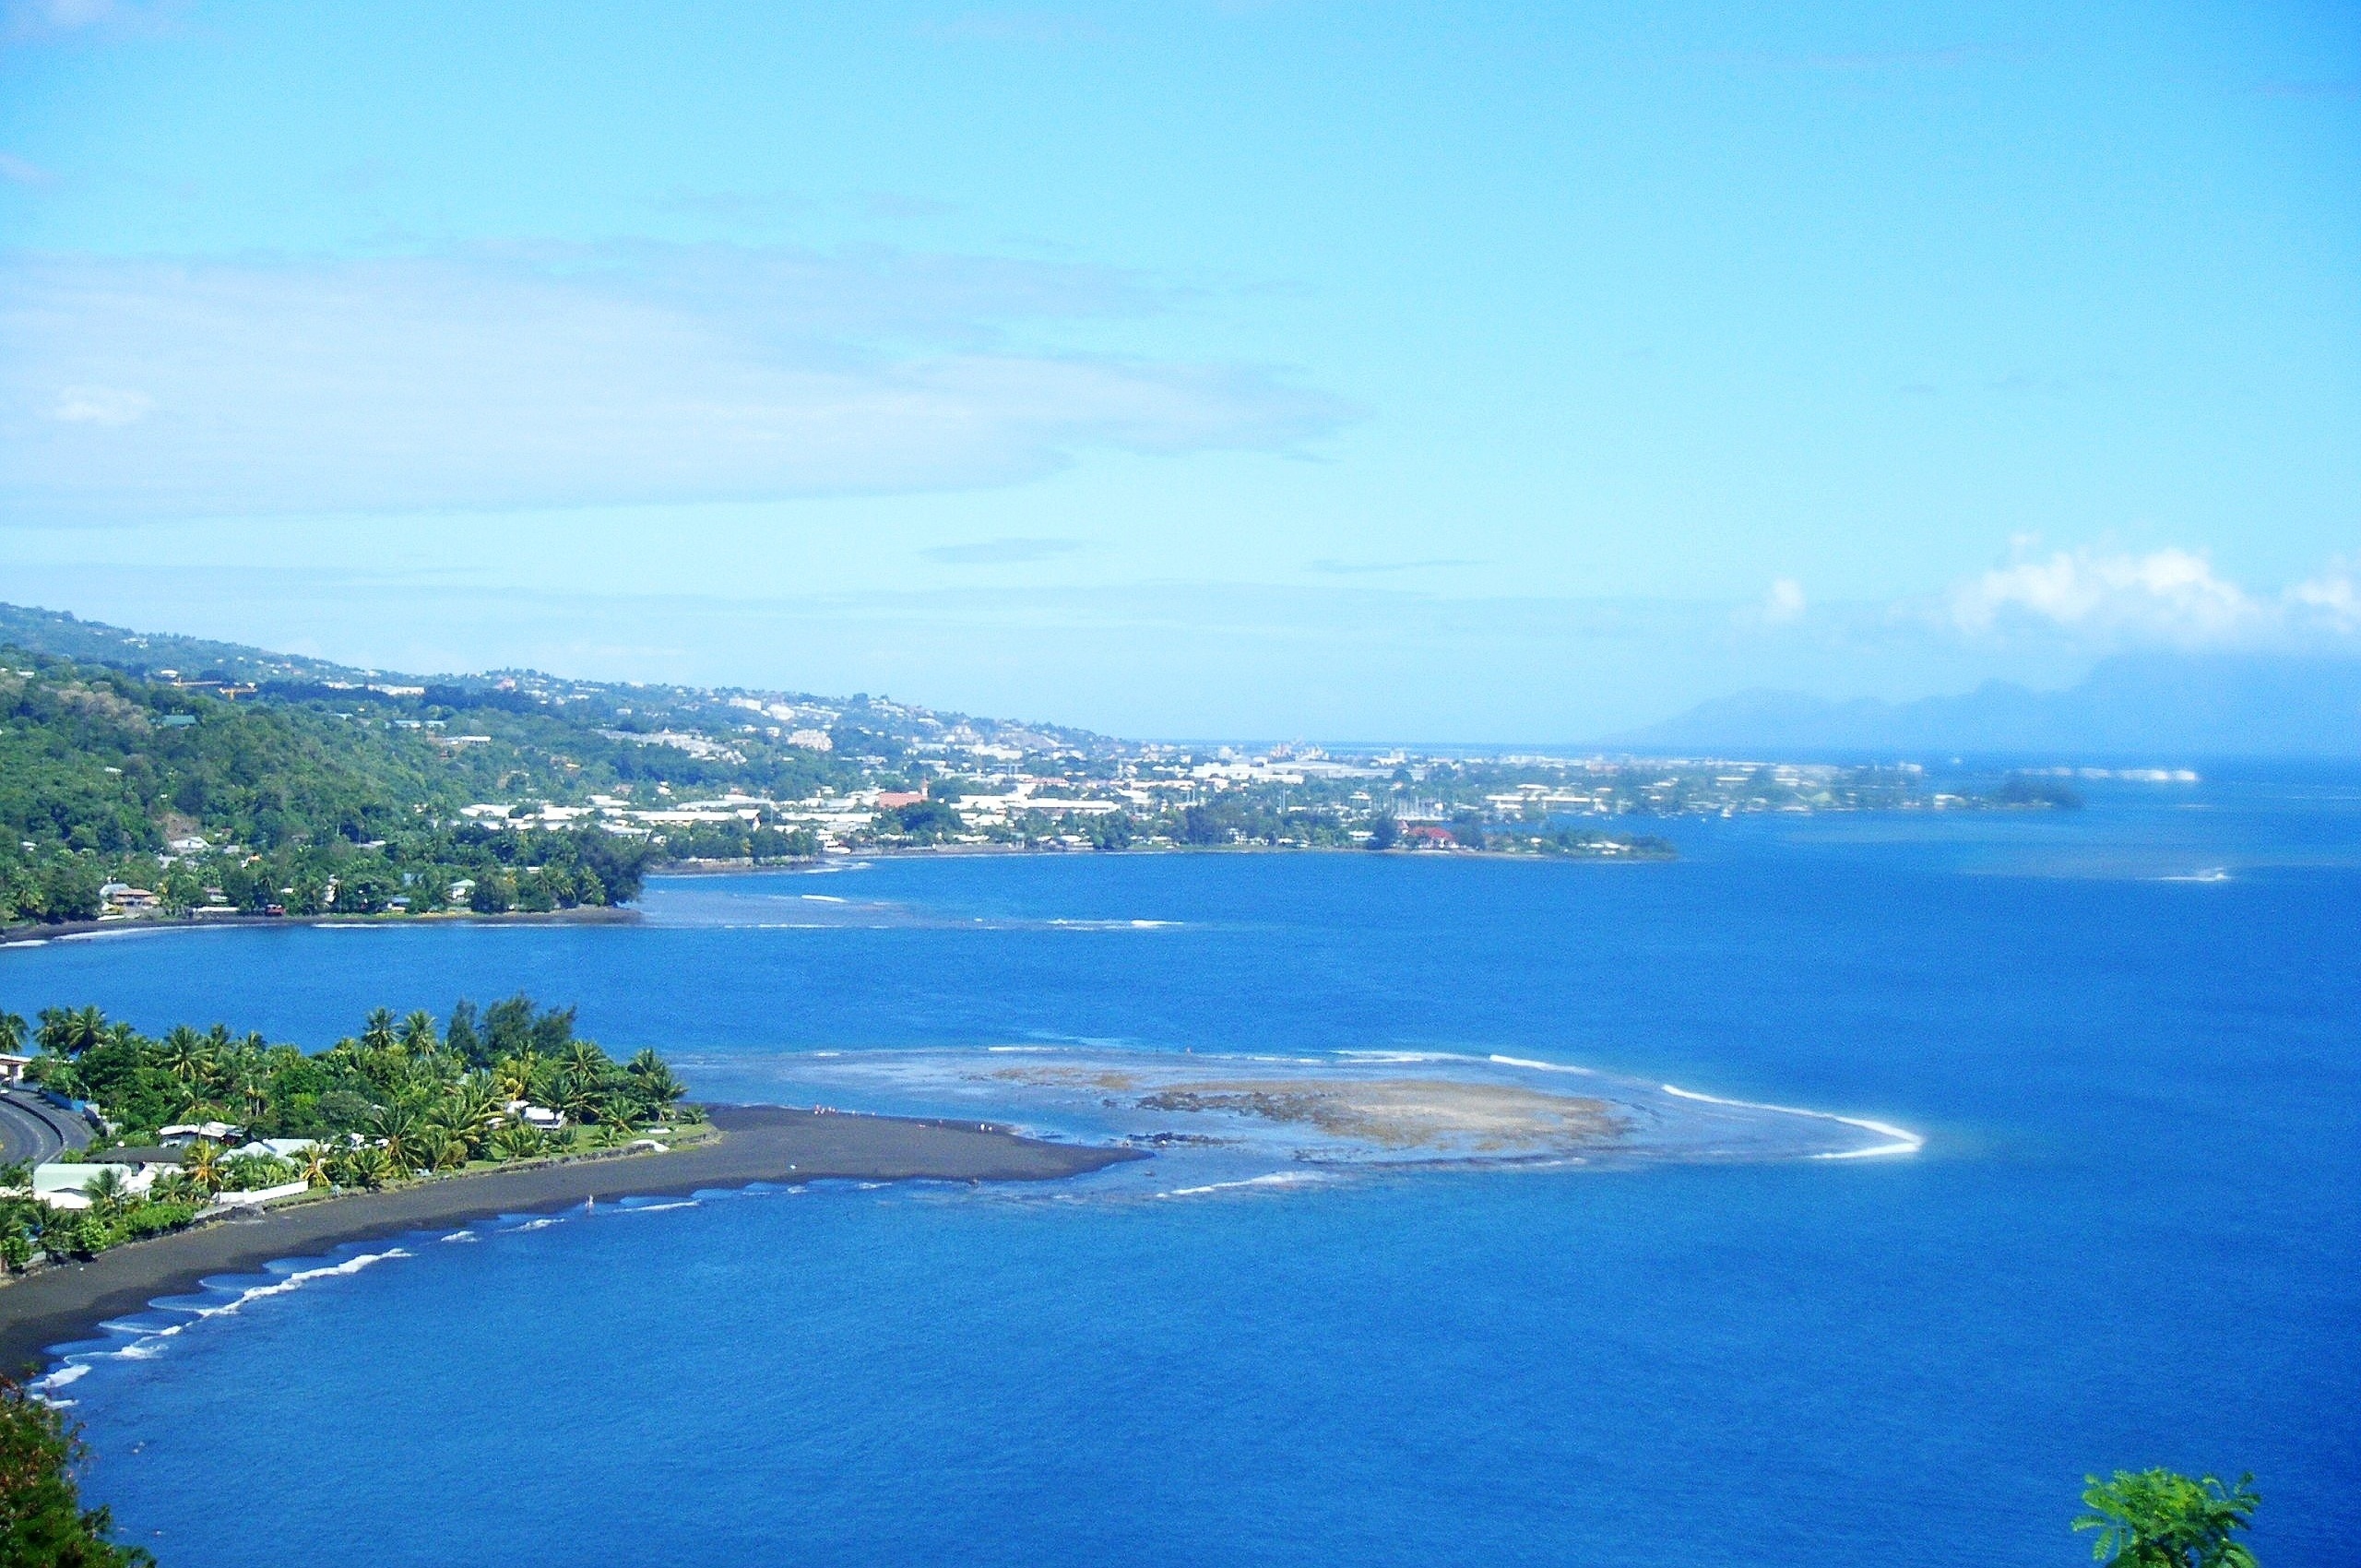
[299, 807]
[402, 1098]
[2163, 1519]
[42, 1522]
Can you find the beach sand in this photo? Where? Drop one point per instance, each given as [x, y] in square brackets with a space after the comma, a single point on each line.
[759, 1143]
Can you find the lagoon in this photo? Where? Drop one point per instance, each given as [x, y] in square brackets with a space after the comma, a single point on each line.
[2126, 1036]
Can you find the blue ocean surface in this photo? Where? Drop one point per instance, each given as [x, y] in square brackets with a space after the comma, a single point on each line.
[2130, 1038]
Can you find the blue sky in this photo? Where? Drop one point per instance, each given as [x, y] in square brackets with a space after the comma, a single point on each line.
[1276, 369]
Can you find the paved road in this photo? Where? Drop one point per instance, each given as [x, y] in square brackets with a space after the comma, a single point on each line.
[33, 1129]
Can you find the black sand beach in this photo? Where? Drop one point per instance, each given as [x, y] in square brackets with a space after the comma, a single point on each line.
[759, 1144]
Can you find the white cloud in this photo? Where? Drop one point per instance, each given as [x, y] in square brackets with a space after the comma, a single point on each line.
[23, 21]
[99, 405]
[2331, 601]
[569, 375]
[2170, 595]
[23, 171]
[1784, 603]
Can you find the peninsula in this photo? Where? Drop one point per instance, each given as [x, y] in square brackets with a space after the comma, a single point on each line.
[757, 1143]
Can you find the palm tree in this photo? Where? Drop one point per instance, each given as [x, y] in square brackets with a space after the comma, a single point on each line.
[516, 1074]
[69, 1031]
[578, 1095]
[657, 1088]
[518, 1140]
[377, 1030]
[472, 1107]
[317, 1165]
[202, 1166]
[417, 1035]
[12, 1032]
[588, 1060]
[368, 1165]
[108, 1190]
[401, 1132]
[186, 1054]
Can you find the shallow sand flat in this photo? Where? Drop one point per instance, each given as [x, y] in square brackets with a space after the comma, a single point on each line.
[760, 1143]
[1408, 1112]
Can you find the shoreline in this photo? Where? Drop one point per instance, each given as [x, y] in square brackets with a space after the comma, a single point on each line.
[37, 932]
[581, 914]
[759, 1143]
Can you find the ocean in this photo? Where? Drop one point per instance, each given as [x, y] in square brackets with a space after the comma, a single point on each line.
[2130, 1038]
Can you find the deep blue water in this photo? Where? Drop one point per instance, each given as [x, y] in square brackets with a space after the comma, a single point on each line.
[2131, 1240]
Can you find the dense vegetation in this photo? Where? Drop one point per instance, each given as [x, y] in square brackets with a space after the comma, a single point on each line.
[298, 810]
[2163, 1519]
[42, 1522]
[401, 1097]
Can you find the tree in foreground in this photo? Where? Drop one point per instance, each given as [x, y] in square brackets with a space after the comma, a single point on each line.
[42, 1522]
[2164, 1519]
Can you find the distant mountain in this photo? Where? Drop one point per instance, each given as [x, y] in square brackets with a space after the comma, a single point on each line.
[2158, 706]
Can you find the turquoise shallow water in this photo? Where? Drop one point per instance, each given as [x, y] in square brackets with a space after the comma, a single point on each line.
[2130, 1239]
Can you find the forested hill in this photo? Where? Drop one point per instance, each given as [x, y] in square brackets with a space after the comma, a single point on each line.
[105, 777]
[213, 774]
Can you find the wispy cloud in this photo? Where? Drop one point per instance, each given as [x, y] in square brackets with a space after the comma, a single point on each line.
[41, 21]
[24, 171]
[1332, 567]
[2171, 597]
[1000, 552]
[569, 375]
[1782, 603]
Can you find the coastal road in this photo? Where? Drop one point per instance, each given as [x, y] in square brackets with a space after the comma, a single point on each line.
[33, 1129]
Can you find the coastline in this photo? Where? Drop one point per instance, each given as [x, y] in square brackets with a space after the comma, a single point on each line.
[39, 932]
[759, 1143]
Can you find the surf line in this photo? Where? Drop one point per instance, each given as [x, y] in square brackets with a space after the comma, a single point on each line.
[1905, 1141]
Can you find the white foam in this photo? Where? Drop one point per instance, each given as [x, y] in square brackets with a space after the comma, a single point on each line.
[657, 1208]
[1553, 1067]
[148, 1343]
[1275, 1179]
[821, 899]
[299, 1279]
[1903, 1140]
[462, 1236]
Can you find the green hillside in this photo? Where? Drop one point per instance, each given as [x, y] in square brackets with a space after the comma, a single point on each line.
[104, 777]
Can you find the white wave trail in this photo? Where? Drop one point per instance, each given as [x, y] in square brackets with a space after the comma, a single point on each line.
[1561, 1067]
[297, 1279]
[657, 1208]
[821, 899]
[1905, 1140]
[1277, 1178]
[150, 1343]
